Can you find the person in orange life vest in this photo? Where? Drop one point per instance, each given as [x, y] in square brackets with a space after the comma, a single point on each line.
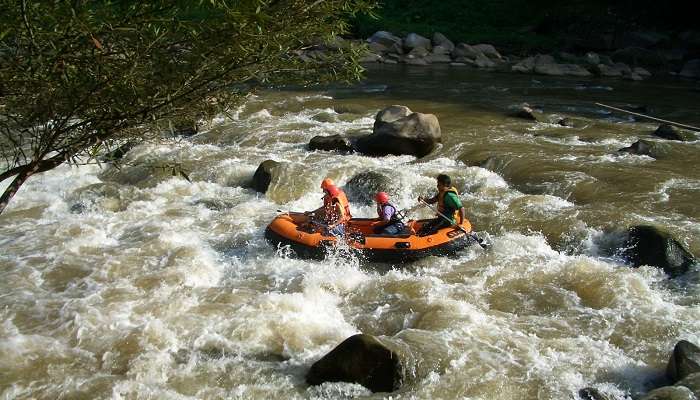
[389, 221]
[448, 204]
[335, 211]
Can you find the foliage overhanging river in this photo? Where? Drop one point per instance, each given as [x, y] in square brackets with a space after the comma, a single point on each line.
[123, 284]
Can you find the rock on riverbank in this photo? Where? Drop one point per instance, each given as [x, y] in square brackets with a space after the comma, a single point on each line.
[633, 61]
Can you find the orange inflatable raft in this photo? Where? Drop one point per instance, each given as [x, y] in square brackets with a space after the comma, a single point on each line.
[291, 229]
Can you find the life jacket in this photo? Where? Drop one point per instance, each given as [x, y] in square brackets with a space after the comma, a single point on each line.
[329, 205]
[447, 211]
[394, 215]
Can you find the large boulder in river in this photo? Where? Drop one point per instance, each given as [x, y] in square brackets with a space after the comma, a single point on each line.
[362, 187]
[331, 143]
[647, 245]
[359, 359]
[398, 130]
[263, 175]
[684, 361]
[670, 132]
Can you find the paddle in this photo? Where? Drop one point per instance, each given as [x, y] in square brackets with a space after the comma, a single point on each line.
[470, 234]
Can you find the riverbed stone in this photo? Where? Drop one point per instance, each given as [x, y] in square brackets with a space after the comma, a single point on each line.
[590, 393]
[442, 50]
[684, 361]
[638, 56]
[670, 393]
[398, 130]
[438, 58]
[648, 245]
[692, 382]
[186, 128]
[416, 61]
[482, 61]
[691, 69]
[418, 52]
[640, 147]
[389, 42]
[441, 40]
[359, 359]
[566, 121]
[118, 153]
[362, 187]
[607, 70]
[526, 112]
[488, 50]
[370, 57]
[670, 132]
[591, 58]
[546, 65]
[264, 174]
[414, 40]
[641, 72]
[465, 50]
[331, 143]
[526, 66]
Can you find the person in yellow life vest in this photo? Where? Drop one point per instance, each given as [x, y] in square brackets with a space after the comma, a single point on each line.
[448, 204]
[335, 211]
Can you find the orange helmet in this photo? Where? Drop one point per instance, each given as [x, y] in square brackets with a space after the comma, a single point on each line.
[326, 183]
[333, 190]
[382, 197]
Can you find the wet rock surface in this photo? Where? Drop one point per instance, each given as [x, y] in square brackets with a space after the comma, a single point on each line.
[359, 359]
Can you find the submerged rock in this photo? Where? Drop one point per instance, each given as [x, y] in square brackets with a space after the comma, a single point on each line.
[525, 111]
[263, 175]
[670, 132]
[692, 382]
[359, 359]
[647, 245]
[685, 360]
[331, 143]
[640, 147]
[119, 152]
[670, 393]
[593, 394]
[398, 130]
[362, 187]
[568, 122]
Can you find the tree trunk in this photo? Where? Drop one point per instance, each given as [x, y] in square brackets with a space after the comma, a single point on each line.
[11, 190]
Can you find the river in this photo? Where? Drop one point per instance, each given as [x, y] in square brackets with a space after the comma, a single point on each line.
[135, 284]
